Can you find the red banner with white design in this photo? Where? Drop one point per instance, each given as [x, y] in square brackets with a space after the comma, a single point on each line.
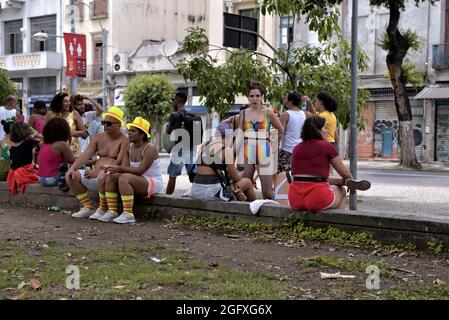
[75, 48]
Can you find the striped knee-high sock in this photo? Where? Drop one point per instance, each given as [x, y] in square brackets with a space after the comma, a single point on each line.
[103, 202]
[128, 203]
[112, 200]
[85, 201]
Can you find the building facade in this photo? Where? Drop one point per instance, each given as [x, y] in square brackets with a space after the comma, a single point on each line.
[430, 108]
[36, 67]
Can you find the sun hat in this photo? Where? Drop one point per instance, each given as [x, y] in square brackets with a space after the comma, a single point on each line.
[116, 113]
[141, 124]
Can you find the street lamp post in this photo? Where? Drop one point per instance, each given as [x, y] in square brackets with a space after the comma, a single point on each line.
[104, 37]
[73, 80]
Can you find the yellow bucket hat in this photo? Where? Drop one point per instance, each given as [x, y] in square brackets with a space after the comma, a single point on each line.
[141, 124]
[116, 113]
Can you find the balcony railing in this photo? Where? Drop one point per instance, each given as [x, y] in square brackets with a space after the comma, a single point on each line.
[440, 56]
[32, 61]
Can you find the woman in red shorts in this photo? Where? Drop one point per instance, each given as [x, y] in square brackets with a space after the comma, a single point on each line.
[311, 160]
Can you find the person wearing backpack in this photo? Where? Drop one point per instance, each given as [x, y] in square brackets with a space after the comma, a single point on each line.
[184, 152]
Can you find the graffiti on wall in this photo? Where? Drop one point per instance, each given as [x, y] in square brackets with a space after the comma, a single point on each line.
[379, 125]
[365, 136]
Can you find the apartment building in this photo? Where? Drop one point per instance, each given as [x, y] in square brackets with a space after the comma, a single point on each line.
[430, 105]
[35, 67]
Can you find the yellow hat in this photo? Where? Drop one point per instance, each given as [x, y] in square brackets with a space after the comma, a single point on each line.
[141, 124]
[116, 113]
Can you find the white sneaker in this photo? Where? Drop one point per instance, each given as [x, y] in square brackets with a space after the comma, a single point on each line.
[108, 217]
[83, 213]
[98, 214]
[125, 218]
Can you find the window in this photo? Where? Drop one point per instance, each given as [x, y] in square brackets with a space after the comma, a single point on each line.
[252, 13]
[42, 85]
[99, 9]
[45, 24]
[286, 31]
[98, 60]
[13, 37]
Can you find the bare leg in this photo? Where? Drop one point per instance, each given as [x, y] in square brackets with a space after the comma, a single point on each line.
[171, 185]
[131, 184]
[249, 171]
[340, 197]
[75, 184]
[247, 187]
[112, 182]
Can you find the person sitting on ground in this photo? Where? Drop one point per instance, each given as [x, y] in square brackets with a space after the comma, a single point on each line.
[60, 107]
[37, 119]
[311, 159]
[216, 168]
[139, 176]
[88, 117]
[54, 152]
[22, 171]
[111, 147]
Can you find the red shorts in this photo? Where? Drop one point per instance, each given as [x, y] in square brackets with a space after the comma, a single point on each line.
[311, 196]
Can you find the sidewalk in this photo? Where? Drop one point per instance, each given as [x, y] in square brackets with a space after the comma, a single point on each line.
[377, 164]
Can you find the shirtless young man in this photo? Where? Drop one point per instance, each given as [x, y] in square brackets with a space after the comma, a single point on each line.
[111, 146]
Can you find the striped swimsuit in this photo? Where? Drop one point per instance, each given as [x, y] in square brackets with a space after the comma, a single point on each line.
[257, 148]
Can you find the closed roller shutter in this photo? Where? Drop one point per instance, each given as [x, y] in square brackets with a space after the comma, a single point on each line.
[418, 126]
[442, 133]
[385, 118]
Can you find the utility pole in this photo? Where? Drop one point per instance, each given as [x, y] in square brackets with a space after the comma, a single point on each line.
[103, 49]
[354, 89]
[74, 80]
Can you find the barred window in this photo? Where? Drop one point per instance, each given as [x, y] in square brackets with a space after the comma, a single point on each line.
[13, 37]
[45, 24]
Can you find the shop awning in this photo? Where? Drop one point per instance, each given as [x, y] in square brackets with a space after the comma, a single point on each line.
[433, 93]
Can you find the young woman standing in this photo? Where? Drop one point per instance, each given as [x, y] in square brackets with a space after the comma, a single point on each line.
[255, 122]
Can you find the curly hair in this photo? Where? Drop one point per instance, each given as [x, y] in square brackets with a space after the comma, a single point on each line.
[56, 129]
[330, 104]
[57, 101]
[312, 128]
[19, 131]
[40, 107]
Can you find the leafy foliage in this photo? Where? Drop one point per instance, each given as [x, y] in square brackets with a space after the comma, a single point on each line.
[6, 86]
[307, 69]
[411, 37]
[149, 96]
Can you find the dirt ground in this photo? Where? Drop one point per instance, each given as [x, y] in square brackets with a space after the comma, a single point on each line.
[409, 274]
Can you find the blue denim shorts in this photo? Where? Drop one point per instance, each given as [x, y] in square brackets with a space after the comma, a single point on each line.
[49, 182]
[188, 160]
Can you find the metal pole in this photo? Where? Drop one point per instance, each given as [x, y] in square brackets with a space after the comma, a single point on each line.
[104, 46]
[354, 88]
[73, 81]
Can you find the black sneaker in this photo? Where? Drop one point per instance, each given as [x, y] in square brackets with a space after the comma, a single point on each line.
[362, 185]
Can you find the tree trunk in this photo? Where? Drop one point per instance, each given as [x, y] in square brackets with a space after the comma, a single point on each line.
[156, 137]
[397, 52]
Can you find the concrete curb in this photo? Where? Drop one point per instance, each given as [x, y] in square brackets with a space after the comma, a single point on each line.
[387, 227]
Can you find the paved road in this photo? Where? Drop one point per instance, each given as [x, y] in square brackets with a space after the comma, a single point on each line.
[419, 193]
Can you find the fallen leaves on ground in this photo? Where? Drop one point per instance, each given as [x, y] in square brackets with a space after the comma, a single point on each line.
[35, 284]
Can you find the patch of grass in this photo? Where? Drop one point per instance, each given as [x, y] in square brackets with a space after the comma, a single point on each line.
[129, 272]
[435, 247]
[419, 291]
[291, 228]
[349, 265]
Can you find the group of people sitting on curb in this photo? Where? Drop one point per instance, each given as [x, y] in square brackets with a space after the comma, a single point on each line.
[83, 151]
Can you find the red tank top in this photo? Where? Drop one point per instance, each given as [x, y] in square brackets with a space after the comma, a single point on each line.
[49, 162]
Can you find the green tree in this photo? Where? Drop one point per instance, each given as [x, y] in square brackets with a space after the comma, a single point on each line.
[307, 69]
[6, 86]
[397, 45]
[149, 96]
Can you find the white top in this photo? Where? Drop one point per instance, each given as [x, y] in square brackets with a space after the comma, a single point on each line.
[5, 114]
[92, 124]
[292, 132]
[155, 169]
